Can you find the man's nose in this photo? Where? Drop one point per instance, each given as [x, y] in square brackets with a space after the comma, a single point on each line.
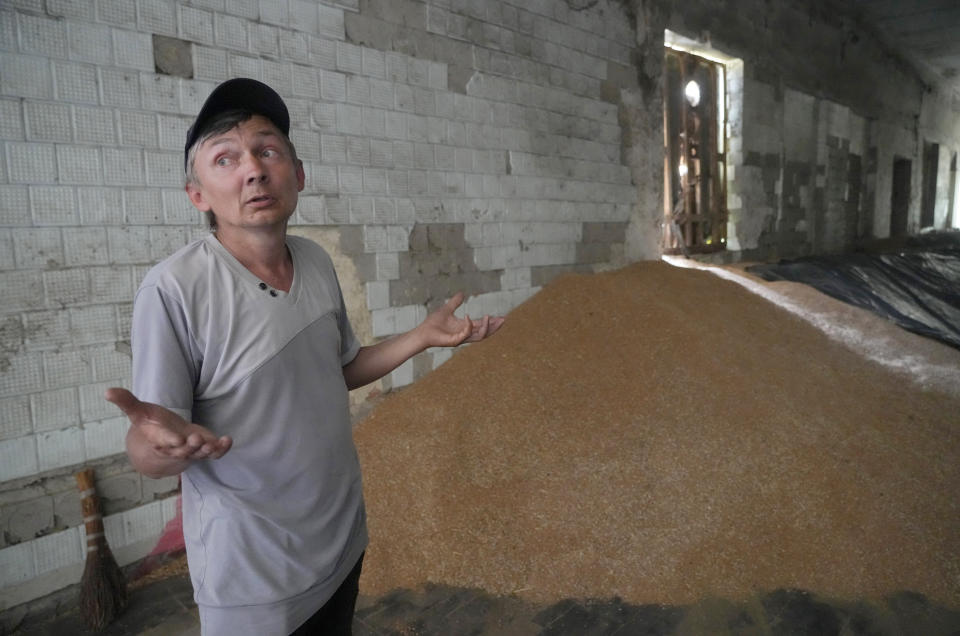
[255, 171]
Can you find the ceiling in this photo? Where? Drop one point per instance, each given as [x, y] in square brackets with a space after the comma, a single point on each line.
[926, 32]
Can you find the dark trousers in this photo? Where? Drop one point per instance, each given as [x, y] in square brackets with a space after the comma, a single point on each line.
[336, 616]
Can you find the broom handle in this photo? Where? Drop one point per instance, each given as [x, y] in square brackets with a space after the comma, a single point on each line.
[90, 504]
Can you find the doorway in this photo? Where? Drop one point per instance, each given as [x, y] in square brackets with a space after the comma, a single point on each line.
[928, 197]
[952, 216]
[900, 196]
[695, 210]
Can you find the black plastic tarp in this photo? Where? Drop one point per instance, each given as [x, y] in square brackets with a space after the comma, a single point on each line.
[918, 289]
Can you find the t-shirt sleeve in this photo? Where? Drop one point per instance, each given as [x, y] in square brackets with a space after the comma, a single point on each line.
[166, 362]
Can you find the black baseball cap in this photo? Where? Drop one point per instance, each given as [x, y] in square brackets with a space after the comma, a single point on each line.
[240, 93]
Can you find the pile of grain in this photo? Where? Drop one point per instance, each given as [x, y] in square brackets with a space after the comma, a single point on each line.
[661, 434]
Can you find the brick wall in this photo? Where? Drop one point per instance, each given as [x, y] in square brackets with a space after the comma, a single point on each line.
[482, 145]
[450, 144]
[816, 120]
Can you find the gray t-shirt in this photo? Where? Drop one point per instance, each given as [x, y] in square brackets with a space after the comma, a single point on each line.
[274, 526]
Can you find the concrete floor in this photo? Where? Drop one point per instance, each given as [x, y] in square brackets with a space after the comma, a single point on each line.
[165, 608]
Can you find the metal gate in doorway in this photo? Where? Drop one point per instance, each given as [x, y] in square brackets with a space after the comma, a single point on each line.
[695, 209]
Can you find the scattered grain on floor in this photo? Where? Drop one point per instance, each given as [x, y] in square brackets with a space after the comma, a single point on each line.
[660, 434]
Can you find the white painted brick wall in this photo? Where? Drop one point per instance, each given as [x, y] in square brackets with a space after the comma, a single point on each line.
[100, 206]
[178, 210]
[351, 179]
[27, 76]
[113, 530]
[349, 58]
[43, 35]
[123, 166]
[230, 32]
[163, 168]
[330, 22]
[132, 49]
[361, 210]
[75, 83]
[406, 212]
[14, 200]
[196, 25]
[53, 205]
[93, 325]
[385, 211]
[135, 128]
[58, 550]
[32, 163]
[398, 182]
[244, 66]
[324, 117]
[90, 43]
[374, 238]
[166, 240]
[264, 40]
[11, 119]
[209, 63]
[381, 151]
[106, 437]
[157, 16]
[312, 210]
[54, 410]
[378, 295]
[79, 165]
[333, 86]
[142, 206]
[439, 356]
[358, 148]
[64, 287]
[47, 121]
[95, 126]
[66, 368]
[37, 248]
[402, 375]
[323, 53]
[45, 330]
[168, 508]
[60, 448]
[14, 417]
[91, 186]
[128, 244]
[374, 181]
[93, 407]
[113, 284]
[333, 149]
[17, 564]
[119, 87]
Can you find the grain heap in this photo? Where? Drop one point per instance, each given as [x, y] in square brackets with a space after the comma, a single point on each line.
[661, 434]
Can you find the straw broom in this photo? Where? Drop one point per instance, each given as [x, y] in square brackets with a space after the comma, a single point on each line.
[103, 588]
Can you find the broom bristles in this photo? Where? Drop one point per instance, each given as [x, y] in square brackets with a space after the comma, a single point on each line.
[103, 587]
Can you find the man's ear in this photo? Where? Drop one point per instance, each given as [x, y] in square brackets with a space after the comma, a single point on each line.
[301, 177]
[196, 197]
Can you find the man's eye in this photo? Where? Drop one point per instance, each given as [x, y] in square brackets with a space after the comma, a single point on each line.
[269, 152]
[222, 161]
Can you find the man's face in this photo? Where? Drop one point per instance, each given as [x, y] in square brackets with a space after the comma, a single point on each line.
[246, 176]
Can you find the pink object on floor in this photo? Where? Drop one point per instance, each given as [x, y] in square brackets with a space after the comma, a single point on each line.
[170, 543]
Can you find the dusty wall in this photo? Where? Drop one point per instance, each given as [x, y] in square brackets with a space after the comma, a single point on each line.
[483, 145]
[447, 145]
[819, 108]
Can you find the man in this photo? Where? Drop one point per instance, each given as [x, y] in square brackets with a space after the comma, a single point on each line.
[243, 356]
